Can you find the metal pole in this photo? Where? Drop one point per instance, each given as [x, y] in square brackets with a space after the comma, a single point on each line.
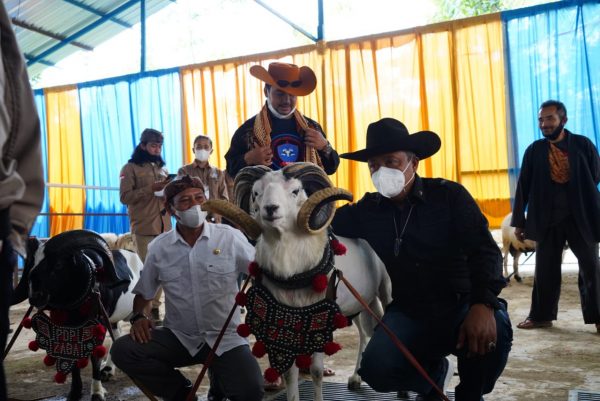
[143, 35]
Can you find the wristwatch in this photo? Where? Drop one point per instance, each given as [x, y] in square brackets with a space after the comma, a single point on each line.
[137, 317]
[327, 149]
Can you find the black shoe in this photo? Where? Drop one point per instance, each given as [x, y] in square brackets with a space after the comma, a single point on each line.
[183, 392]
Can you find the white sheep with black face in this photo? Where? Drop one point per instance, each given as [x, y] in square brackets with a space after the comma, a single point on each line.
[288, 212]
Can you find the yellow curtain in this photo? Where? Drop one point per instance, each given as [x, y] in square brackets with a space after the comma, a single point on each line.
[448, 78]
[65, 159]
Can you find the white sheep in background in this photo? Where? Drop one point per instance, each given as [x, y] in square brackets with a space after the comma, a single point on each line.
[510, 244]
[288, 213]
[121, 241]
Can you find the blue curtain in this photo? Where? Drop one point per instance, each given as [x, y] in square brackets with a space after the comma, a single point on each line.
[156, 103]
[107, 145]
[114, 112]
[41, 227]
[553, 52]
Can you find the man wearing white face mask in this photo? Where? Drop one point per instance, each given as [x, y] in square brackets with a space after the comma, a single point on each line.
[279, 134]
[444, 265]
[197, 264]
[214, 178]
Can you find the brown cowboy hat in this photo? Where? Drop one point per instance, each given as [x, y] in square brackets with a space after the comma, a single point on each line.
[390, 135]
[297, 81]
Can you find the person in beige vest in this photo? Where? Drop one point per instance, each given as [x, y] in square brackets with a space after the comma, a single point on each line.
[213, 178]
[142, 181]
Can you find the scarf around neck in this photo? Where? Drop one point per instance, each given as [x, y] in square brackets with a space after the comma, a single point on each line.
[262, 133]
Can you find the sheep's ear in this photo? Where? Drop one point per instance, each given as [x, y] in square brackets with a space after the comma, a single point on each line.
[242, 186]
[316, 213]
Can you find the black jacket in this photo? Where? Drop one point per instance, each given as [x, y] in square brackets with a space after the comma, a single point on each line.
[241, 144]
[535, 190]
[447, 254]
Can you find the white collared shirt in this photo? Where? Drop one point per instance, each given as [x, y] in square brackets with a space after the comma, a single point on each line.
[199, 282]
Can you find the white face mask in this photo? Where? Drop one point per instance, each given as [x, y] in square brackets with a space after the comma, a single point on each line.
[390, 182]
[193, 217]
[276, 114]
[202, 154]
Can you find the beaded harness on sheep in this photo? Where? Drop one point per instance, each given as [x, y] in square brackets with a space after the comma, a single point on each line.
[292, 334]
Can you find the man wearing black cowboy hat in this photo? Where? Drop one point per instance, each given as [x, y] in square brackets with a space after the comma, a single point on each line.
[279, 133]
[444, 265]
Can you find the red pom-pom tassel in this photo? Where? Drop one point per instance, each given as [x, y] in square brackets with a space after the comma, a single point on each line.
[241, 299]
[99, 332]
[243, 330]
[338, 247]
[271, 375]
[26, 322]
[319, 283]
[60, 377]
[340, 321]
[82, 363]
[33, 345]
[254, 269]
[259, 350]
[331, 348]
[49, 360]
[99, 351]
[303, 361]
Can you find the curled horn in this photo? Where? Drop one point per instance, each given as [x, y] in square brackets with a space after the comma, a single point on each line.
[316, 213]
[235, 214]
[244, 180]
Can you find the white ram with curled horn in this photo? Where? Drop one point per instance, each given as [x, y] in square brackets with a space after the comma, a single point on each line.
[291, 306]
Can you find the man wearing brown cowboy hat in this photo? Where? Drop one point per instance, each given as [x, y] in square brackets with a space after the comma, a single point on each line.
[197, 264]
[279, 133]
[444, 265]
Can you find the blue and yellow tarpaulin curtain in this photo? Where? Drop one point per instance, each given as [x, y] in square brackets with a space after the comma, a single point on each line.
[41, 227]
[452, 78]
[65, 160]
[113, 114]
[554, 53]
[449, 81]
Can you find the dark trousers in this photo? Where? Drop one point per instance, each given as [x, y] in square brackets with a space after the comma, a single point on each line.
[548, 261]
[385, 368]
[235, 374]
[8, 261]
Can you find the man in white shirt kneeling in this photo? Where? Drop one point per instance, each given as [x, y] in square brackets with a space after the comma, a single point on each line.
[197, 264]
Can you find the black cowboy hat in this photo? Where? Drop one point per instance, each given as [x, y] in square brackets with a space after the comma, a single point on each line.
[390, 135]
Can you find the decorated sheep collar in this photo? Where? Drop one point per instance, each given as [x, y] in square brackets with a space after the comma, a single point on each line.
[315, 277]
[289, 334]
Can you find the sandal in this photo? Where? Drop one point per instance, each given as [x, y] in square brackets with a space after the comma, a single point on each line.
[529, 324]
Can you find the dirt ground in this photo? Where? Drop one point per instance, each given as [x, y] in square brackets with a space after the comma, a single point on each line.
[544, 364]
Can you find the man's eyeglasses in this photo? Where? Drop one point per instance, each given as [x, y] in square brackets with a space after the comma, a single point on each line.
[282, 83]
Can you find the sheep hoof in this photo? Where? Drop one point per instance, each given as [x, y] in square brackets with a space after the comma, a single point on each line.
[98, 397]
[354, 383]
[403, 395]
[106, 374]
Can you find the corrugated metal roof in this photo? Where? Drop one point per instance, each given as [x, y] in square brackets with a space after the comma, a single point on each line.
[40, 25]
